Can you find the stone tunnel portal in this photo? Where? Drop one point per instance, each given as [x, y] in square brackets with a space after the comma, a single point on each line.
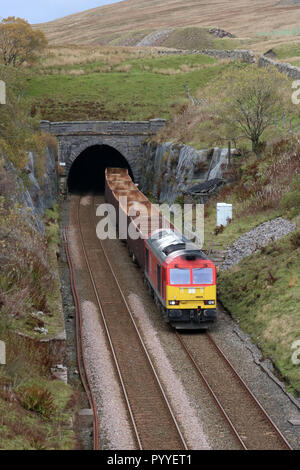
[87, 173]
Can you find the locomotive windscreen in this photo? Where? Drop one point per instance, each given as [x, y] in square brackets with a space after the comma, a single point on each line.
[202, 276]
[180, 276]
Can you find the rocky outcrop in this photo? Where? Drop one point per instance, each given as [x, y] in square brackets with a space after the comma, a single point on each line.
[32, 196]
[203, 191]
[220, 33]
[169, 170]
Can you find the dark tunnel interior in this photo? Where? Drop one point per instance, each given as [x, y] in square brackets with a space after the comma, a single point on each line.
[87, 174]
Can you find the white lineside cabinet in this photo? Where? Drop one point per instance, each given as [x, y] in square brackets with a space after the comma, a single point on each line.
[224, 212]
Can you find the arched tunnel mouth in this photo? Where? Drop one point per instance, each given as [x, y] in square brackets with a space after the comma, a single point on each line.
[87, 173]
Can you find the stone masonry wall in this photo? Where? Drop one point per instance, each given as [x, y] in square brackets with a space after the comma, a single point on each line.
[125, 136]
[237, 54]
[288, 69]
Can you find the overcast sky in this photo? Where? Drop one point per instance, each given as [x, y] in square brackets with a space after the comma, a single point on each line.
[38, 11]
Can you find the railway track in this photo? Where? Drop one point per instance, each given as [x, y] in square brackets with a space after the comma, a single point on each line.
[153, 422]
[248, 421]
[83, 373]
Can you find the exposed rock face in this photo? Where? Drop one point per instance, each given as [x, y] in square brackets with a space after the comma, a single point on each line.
[202, 192]
[257, 238]
[48, 185]
[34, 198]
[169, 170]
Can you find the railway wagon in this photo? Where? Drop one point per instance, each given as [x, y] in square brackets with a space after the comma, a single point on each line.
[181, 278]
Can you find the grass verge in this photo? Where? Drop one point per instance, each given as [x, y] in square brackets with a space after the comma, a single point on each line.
[131, 89]
[262, 293]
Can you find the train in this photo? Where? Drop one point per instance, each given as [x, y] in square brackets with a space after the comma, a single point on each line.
[178, 274]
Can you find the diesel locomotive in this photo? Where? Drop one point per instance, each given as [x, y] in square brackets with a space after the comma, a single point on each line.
[179, 275]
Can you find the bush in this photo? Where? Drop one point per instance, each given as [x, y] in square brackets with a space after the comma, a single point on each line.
[295, 240]
[291, 201]
[38, 400]
[25, 277]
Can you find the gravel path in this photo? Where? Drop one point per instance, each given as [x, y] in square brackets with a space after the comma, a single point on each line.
[115, 432]
[258, 237]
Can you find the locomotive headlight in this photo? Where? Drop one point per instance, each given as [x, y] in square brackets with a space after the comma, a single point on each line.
[173, 302]
[209, 302]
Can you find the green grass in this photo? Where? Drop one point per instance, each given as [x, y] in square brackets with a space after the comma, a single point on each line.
[281, 32]
[21, 429]
[236, 228]
[233, 43]
[25, 422]
[189, 38]
[284, 51]
[142, 93]
[53, 321]
[263, 293]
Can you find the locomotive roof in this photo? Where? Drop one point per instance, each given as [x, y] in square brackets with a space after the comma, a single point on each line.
[169, 243]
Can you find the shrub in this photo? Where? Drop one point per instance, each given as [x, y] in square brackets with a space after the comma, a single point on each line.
[25, 277]
[291, 201]
[219, 229]
[39, 400]
[295, 239]
[125, 68]
[49, 140]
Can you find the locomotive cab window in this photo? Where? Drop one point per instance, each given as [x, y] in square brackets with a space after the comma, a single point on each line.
[180, 276]
[202, 276]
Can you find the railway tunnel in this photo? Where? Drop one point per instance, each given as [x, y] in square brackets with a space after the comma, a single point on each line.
[87, 173]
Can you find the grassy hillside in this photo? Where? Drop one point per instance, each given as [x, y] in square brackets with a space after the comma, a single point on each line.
[262, 292]
[35, 410]
[112, 22]
[116, 83]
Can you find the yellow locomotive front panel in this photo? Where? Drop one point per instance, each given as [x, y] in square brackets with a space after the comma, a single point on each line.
[192, 297]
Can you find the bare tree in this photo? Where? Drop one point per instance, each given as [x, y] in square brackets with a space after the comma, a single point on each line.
[247, 102]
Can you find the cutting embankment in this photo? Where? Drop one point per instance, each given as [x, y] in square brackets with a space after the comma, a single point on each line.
[261, 291]
[36, 407]
[259, 280]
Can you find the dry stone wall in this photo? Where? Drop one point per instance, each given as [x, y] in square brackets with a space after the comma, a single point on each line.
[236, 54]
[287, 69]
